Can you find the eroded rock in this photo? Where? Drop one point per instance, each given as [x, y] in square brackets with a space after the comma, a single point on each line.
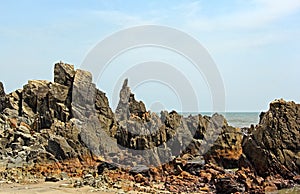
[66, 126]
[273, 147]
[64, 74]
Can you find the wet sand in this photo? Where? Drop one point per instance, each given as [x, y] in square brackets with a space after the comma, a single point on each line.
[46, 188]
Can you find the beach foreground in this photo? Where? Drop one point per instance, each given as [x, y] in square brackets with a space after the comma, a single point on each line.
[46, 188]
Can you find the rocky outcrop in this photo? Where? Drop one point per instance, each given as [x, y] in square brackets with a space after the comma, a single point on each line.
[170, 134]
[43, 117]
[66, 128]
[227, 149]
[274, 145]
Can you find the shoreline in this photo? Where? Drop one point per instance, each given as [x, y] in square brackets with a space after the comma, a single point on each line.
[64, 187]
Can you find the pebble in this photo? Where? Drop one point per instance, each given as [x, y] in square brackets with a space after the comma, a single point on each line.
[66, 185]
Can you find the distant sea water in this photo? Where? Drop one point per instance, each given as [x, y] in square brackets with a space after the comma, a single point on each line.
[235, 119]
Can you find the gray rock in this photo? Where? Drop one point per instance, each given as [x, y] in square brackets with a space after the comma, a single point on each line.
[60, 148]
[139, 169]
[11, 112]
[122, 111]
[89, 180]
[83, 95]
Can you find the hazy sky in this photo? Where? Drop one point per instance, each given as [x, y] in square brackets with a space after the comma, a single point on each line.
[254, 43]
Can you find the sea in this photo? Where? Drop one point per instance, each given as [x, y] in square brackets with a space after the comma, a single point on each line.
[235, 119]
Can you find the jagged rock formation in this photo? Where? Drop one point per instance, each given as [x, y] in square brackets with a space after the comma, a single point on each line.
[128, 106]
[227, 149]
[171, 134]
[274, 145]
[42, 119]
[67, 126]
[75, 118]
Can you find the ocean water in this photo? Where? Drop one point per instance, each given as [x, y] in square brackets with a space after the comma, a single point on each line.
[236, 119]
[242, 119]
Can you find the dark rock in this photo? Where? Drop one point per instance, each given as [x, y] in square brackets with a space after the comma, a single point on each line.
[273, 147]
[136, 108]
[52, 179]
[64, 74]
[102, 105]
[105, 165]
[228, 185]
[2, 92]
[45, 101]
[11, 101]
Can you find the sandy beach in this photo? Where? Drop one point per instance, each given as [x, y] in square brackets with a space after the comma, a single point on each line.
[46, 188]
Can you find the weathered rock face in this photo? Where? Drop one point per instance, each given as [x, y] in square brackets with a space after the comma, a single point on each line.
[41, 120]
[215, 140]
[159, 138]
[83, 95]
[122, 111]
[128, 106]
[274, 145]
[64, 74]
[227, 149]
[135, 107]
[2, 92]
[46, 101]
[173, 134]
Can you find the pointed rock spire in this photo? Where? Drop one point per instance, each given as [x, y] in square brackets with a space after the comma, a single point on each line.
[122, 111]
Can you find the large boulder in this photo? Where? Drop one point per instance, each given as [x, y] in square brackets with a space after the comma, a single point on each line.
[274, 145]
[60, 148]
[227, 149]
[214, 139]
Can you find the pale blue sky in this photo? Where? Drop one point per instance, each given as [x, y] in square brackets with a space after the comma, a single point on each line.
[255, 43]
